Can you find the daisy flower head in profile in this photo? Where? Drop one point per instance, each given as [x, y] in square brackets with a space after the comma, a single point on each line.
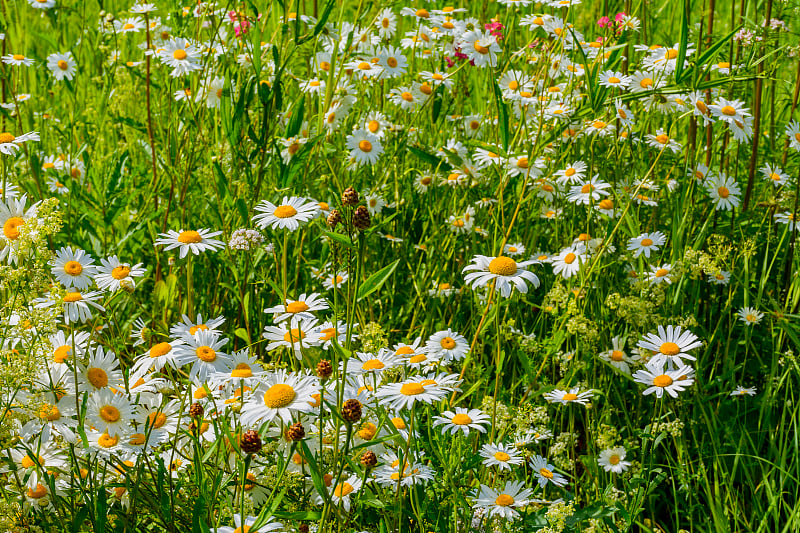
[342, 491]
[750, 315]
[246, 526]
[613, 460]
[567, 397]
[662, 140]
[296, 334]
[775, 175]
[646, 243]
[660, 274]
[196, 241]
[743, 391]
[17, 60]
[729, 110]
[462, 420]
[298, 309]
[617, 357]
[62, 66]
[588, 192]
[659, 380]
[9, 144]
[404, 394]
[42, 4]
[290, 214]
[671, 345]
[76, 304]
[793, 133]
[73, 269]
[544, 472]
[513, 250]
[503, 503]
[614, 80]
[501, 455]
[504, 272]
[720, 277]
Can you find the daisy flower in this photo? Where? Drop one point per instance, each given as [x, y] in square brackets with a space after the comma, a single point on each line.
[503, 271]
[462, 420]
[54, 418]
[501, 456]
[659, 380]
[573, 173]
[720, 277]
[404, 394]
[743, 391]
[660, 274]
[724, 192]
[502, 503]
[784, 217]
[342, 491]
[367, 363]
[588, 192]
[113, 274]
[281, 395]
[17, 60]
[375, 203]
[775, 175]
[42, 4]
[670, 345]
[101, 371]
[335, 280]
[73, 269]
[9, 144]
[62, 66]
[447, 346]
[202, 350]
[613, 460]
[328, 333]
[76, 304]
[480, 47]
[109, 412]
[617, 357]
[793, 132]
[190, 240]
[661, 141]
[544, 472]
[750, 316]
[573, 396]
[300, 309]
[646, 243]
[729, 110]
[295, 334]
[365, 148]
[62, 346]
[154, 359]
[290, 214]
[568, 261]
[186, 329]
[181, 55]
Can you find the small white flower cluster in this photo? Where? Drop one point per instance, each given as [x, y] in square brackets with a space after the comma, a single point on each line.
[244, 239]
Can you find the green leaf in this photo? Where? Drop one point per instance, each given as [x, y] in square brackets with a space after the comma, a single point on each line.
[344, 240]
[502, 113]
[683, 43]
[375, 281]
[707, 56]
[297, 118]
[429, 158]
[242, 334]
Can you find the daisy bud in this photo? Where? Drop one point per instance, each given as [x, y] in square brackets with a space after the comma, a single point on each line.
[369, 459]
[350, 196]
[334, 218]
[296, 432]
[250, 442]
[196, 410]
[361, 218]
[324, 369]
[351, 411]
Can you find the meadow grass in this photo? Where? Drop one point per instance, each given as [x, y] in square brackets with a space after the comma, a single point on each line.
[368, 266]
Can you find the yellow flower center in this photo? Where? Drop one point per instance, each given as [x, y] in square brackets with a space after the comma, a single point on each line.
[97, 377]
[11, 227]
[73, 297]
[599, 124]
[297, 307]
[110, 414]
[342, 490]
[617, 355]
[461, 419]
[503, 266]
[614, 459]
[294, 335]
[723, 192]
[279, 395]
[570, 258]
[63, 65]
[19, 57]
[28, 462]
[373, 364]
[242, 370]
[502, 456]
[137, 439]
[206, 354]
[480, 48]
[49, 413]
[671, 53]
[284, 211]
[121, 272]
[569, 397]
[407, 96]
[412, 389]
[546, 473]
[365, 146]
[504, 500]
[662, 381]
[398, 423]
[179, 54]
[728, 110]
[448, 343]
[613, 79]
[392, 62]
[39, 492]
[190, 236]
[368, 431]
[660, 273]
[385, 23]
[73, 268]
[162, 348]
[646, 82]
[647, 242]
[663, 138]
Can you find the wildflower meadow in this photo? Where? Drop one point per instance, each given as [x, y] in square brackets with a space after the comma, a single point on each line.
[377, 267]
